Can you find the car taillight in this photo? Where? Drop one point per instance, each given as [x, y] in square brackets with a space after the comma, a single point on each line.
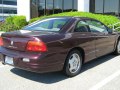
[1, 41]
[37, 46]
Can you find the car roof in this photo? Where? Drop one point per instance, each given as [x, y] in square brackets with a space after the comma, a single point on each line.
[84, 18]
[71, 17]
[75, 17]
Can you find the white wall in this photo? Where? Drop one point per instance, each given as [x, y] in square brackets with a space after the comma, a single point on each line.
[23, 8]
[83, 5]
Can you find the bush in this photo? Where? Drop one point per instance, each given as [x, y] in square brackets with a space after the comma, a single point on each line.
[106, 19]
[19, 21]
[13, 23]
[9, 20]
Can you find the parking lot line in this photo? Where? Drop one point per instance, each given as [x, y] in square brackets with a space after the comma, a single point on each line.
[105, 81]
[2, 66]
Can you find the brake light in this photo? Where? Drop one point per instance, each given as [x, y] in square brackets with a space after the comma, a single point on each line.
[1, 41]
[38, 46]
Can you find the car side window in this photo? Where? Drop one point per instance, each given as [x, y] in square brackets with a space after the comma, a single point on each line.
[59, 23]
[53, 24]
[96, 26]
[81, 27]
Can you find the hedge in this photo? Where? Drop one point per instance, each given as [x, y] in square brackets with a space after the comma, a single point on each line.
[17, 22]
[106, 19]
[13, 23]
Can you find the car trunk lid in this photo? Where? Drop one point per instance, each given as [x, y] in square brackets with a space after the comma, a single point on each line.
[18, 40]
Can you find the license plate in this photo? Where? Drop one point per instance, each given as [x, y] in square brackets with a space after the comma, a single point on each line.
[8, 60]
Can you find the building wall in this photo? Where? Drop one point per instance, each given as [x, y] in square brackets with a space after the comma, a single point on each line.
[23, 8]
[83, 5]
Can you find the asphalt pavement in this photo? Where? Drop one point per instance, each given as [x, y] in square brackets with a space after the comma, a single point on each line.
[100, 74]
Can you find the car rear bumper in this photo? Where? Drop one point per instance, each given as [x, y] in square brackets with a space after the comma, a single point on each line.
[39, 62]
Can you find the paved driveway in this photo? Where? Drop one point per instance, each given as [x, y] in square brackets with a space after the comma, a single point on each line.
[100, 74]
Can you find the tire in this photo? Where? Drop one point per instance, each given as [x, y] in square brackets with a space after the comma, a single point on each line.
[73, 63]
[117, 50]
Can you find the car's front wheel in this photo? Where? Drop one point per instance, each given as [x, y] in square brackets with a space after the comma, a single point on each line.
[117, 51]
[73, 63]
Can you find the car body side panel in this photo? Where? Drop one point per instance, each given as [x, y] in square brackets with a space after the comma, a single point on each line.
[86, 41]
[62, 46]
[104, 44]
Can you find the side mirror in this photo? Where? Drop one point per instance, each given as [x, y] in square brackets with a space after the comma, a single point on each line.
[110, 31]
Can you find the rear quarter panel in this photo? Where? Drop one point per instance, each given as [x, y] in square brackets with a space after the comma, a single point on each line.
[59, 46]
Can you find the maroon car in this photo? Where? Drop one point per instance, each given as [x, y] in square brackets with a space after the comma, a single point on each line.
[58, 43]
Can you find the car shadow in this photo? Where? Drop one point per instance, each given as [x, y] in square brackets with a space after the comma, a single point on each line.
[97, 62]
[47, 78]
[50, 78]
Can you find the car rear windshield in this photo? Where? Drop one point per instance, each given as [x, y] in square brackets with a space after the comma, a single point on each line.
[51, 24]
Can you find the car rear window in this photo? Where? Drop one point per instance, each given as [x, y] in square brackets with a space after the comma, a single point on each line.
[51, 24]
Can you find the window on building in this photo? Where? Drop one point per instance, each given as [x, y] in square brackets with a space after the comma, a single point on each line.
[1, 10]
[68, 5]
[111, 7]
[34, 2]
[8, 10]
[99, 6]
[105, 6]
[8, 2]
[75, 5]
[58, 6]
[49, 7]
[0, 1]
[41, 7]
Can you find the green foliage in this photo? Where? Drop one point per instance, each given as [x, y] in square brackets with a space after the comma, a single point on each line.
[106, 19]
[9, 20]
[19, 21]
[7, 27]
[13, 23]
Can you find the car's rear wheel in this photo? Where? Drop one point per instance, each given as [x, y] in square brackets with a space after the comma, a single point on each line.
[117, 51]
[73, 63]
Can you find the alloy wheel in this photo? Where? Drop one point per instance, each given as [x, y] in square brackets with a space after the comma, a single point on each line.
[74, 63]
[118, 47]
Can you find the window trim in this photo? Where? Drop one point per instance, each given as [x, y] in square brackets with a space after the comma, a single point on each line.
[99, 22]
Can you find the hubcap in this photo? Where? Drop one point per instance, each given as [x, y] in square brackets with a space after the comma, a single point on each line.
[74, 63]
[118, 47]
